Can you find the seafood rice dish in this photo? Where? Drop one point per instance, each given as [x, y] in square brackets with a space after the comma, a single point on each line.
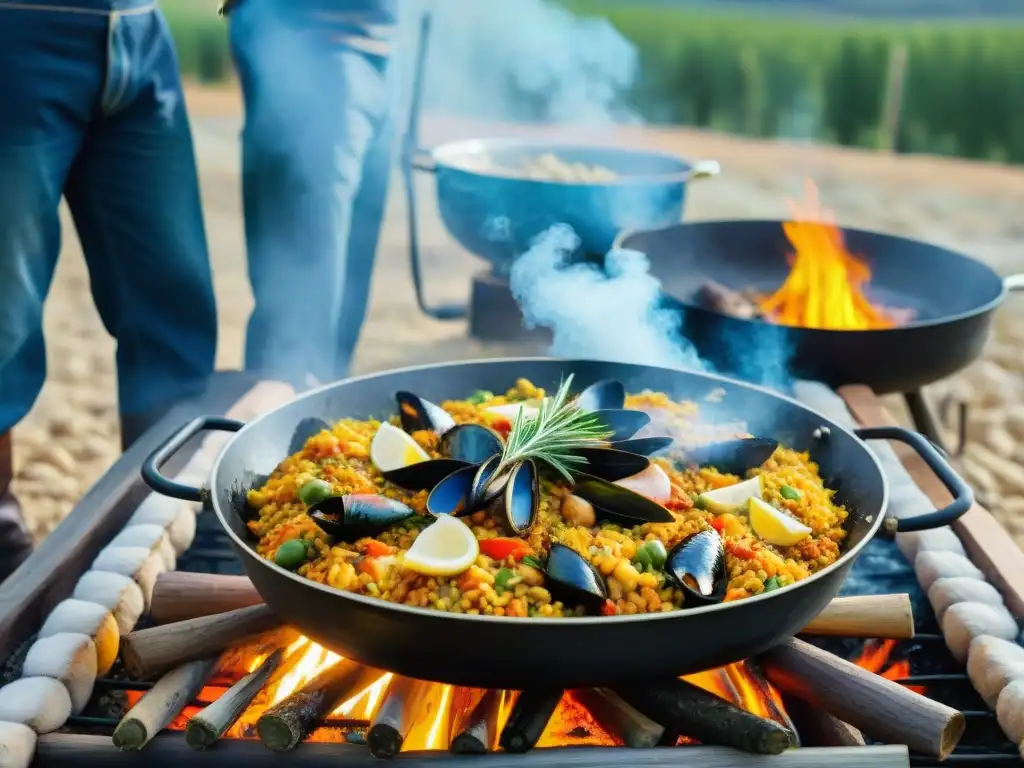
[530, 503]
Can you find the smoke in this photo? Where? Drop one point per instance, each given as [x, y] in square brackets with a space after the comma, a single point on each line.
[616, 313]
[521, 60]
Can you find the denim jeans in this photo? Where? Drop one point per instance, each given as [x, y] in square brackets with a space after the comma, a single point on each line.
[316, 150]
[91, 108]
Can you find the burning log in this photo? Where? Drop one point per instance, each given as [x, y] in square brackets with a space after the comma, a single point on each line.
[528, 719]
[162, 703]
[207, 726]
[148, 652]
[180, 596]
[477, 729]
[683, 707]
[818, 728]
[882, 709]
[718, 298]
[285, 724]
[402, 703]
[623, 722]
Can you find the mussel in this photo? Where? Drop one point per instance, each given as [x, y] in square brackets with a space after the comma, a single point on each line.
[521, 498]
[643, 446]
[573, 580]
[619, 505]
[424, 475]
[733, 457]
[697, 565]
[607, 394]
[419, 414]
[486, 487]
[610, 464]
[471, 443]
[622, 423]
[357, 515]
[451, 496]
[304, 430]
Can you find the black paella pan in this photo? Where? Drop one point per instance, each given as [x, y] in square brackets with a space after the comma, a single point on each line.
[503, 652]
[953, 299]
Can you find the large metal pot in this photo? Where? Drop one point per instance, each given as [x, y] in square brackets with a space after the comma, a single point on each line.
[502, 652]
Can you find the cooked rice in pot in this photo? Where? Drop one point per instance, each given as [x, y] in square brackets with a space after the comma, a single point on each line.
[370, 567]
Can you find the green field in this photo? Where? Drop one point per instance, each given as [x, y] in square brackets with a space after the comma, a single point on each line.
[787, 75]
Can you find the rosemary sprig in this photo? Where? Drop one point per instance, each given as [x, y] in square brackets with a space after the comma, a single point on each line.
[553, 435]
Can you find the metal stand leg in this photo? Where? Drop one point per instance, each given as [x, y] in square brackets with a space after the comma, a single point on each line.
[924, 418]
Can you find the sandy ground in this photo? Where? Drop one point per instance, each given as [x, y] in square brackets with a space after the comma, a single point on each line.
[71, 436]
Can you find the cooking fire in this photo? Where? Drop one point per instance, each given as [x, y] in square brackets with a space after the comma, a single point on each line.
[826, 287]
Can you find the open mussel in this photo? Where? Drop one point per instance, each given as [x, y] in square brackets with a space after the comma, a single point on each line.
[642, 446]
[573, 580]
[619, 505]
[520, 501]
[424, 475]
[357, 515]
[610, 464]
[471, 443]
[452, 496]
[622, 423]
[733, 457]
[418, 414]
[486, 487]
[602, 395]
[697, 565]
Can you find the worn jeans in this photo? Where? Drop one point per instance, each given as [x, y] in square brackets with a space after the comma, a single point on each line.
[316, 151]
[91, 108]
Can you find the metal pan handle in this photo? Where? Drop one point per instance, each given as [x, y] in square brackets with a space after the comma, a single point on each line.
[162, 484]
[1014, 283]
[963, 496]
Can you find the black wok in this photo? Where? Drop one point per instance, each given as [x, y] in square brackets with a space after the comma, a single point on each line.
[953, 297]
[493, 652]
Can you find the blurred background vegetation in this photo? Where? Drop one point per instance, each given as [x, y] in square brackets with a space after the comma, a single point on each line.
[794, 69]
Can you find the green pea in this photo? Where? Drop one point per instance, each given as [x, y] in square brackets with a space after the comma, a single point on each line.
[789, 493]
[642, 559]
[772, 584]
[656, 553]
[315, 491]
[480, 396]
[291, 554]
[501, 579]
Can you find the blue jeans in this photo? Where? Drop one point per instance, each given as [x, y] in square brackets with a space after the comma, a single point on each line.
[91, 108]
[316, 151]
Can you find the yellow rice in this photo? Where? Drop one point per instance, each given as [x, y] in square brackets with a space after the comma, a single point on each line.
[340, 456]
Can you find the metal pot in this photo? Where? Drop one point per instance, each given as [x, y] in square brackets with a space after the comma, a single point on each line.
[502, 652]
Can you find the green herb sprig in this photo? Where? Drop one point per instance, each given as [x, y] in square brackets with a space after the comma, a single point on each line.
[553, 435]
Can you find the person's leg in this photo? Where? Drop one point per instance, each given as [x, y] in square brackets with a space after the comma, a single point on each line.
[47, 91]
[134, 195]
[314, 108]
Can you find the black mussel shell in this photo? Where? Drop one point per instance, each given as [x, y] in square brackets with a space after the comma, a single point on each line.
[304, 430]
[623, 424]
[471, 443]
[357, 515]
[733, 457]
[452, 495]
[521, 500]
[643, 446]
[417, 414]
[611, 465]
[424, 475]
[604, 395]
[619, 505]
[697, 564]
[573, 580]
[485, 489]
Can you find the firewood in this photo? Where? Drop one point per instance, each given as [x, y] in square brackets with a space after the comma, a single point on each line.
[402, 704]
[623, 722]
[528, 719]
[477, 731]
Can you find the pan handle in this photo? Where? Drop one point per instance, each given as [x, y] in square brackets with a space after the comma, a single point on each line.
[1014, 283]
[162, 484]
[963, 496]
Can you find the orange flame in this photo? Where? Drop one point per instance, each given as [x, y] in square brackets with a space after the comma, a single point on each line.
[875, 658]
[825, 282]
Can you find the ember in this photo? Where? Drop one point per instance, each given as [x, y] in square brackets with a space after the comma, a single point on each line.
[824, 286]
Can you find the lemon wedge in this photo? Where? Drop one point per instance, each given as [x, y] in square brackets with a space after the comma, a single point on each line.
[775, 526]
[391, 448]
[444, 548]
[731, 498]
